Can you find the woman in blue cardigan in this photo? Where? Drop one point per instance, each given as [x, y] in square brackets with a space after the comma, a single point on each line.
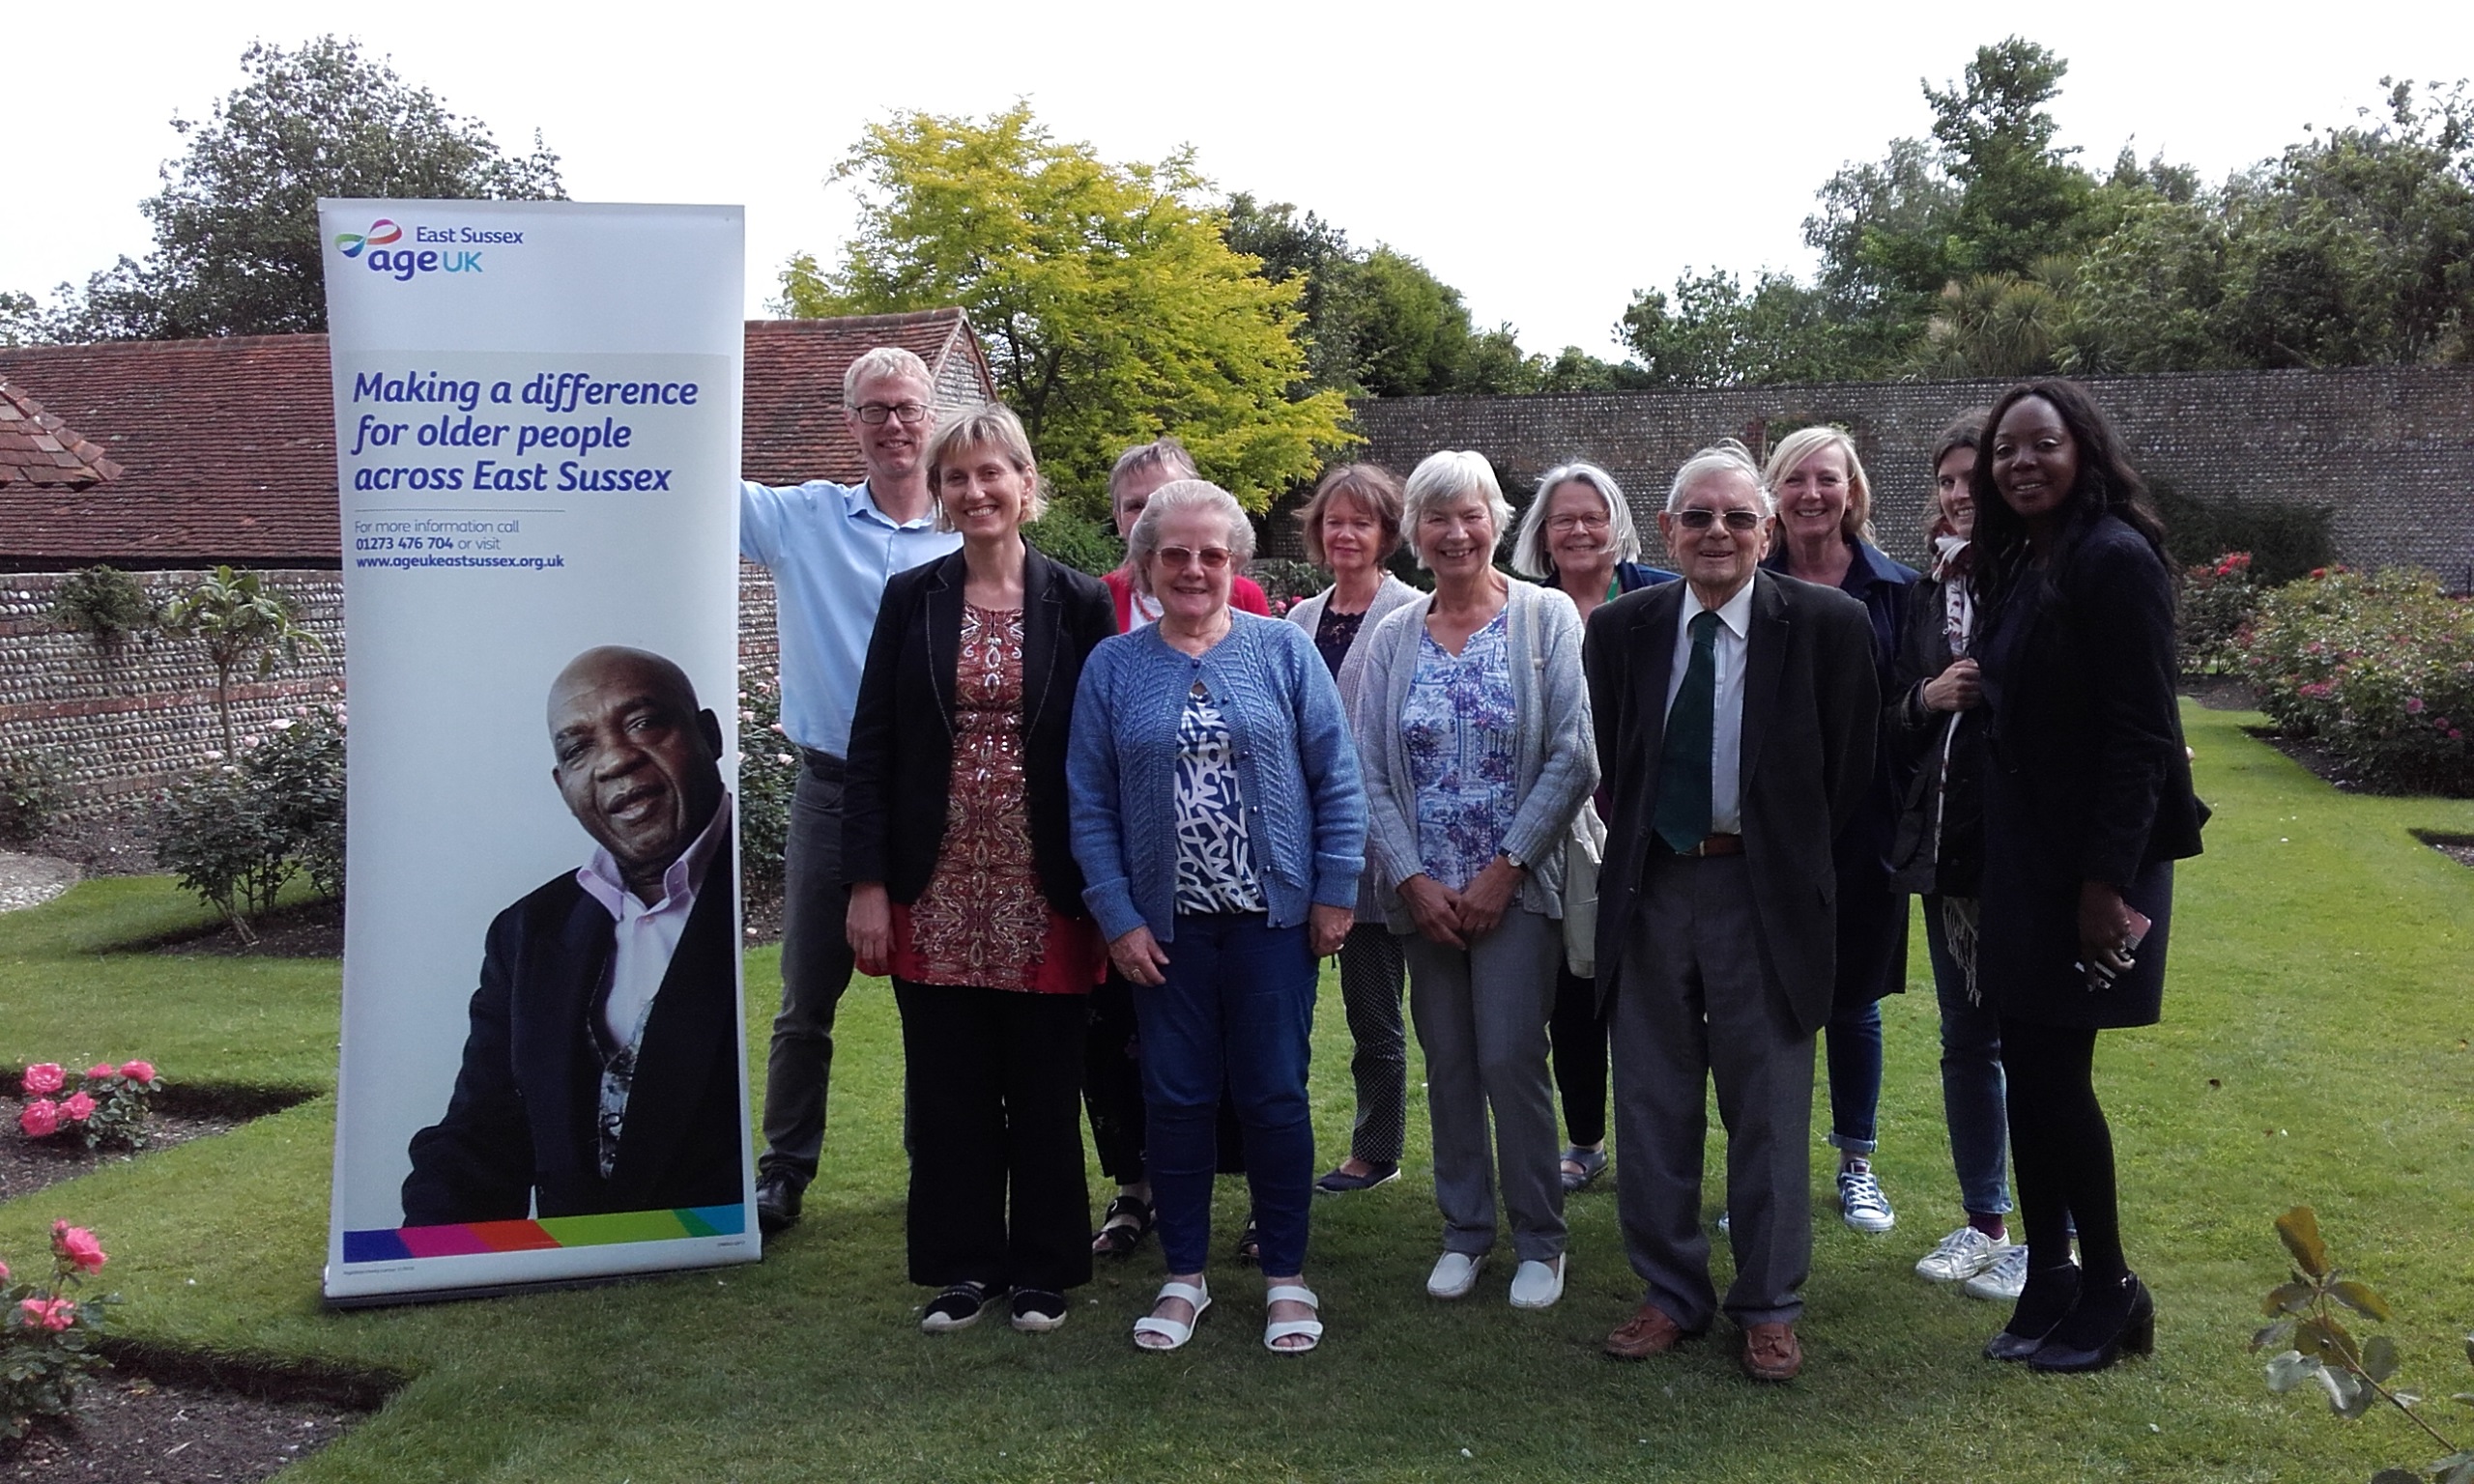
[1221, 831]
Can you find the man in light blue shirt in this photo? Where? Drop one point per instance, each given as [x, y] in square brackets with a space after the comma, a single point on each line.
[830, 549]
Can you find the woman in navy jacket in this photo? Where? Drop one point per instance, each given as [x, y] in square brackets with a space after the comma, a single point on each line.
[2088, 804]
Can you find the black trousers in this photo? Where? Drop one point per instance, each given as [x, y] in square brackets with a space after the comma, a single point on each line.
[1578, 1031]
[995, 1085]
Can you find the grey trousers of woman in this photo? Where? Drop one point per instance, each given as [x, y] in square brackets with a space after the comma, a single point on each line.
[1481, 1014]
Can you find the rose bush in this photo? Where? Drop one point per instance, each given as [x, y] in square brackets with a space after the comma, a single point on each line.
[110, 1106]
[2218, 599]
[2380, 669]
[48, 1334]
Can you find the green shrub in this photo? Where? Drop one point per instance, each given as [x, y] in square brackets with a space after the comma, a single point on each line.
[768, 769]
[2379, 669]
[1287, 582]
[2218, 599]
[1077, 540]
[236, 831]
[106, 604]
[2284, 541]
[33, 785]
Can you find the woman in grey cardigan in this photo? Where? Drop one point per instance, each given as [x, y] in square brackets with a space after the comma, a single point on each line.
[1352, 526]
[1473, 725]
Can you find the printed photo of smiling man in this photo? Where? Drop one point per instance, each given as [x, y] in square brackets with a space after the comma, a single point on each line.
[601, 1071]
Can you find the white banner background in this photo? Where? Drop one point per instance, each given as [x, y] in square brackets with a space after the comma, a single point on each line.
[452, 813]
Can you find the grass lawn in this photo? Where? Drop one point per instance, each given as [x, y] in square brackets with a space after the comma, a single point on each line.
[2315, 1050]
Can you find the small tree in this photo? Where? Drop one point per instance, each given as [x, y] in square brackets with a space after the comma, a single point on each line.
[240, 621]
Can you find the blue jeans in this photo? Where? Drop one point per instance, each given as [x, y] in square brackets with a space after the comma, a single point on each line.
[1237, 1012]
[1854, 1050]
[1972, 1084]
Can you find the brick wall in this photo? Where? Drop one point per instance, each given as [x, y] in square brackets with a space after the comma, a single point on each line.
[2391, 449]
[126, 721]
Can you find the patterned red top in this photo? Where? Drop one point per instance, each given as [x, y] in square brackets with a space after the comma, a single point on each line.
[982, 921]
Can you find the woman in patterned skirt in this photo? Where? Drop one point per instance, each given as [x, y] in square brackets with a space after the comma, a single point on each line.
[1473, 721]
[965, 889]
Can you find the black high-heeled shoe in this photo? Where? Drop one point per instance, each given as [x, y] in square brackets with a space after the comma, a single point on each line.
[2109, 1323]
[2048, 1299]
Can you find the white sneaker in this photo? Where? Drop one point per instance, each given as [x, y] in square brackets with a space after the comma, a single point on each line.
[1726, 1223]
[1963, 1254]
[1454, 1274]
[2003, 1281]
[1537, 1285]
[1860, 1201]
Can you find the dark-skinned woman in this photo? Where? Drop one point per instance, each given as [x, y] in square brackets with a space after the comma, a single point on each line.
[2088, 804]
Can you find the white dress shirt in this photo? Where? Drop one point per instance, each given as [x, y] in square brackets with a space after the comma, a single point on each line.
[644, 937]
[1726, 733]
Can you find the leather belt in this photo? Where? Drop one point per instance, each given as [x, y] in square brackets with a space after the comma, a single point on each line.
[1716, 844]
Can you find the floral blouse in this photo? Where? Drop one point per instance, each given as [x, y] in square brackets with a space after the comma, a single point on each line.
[1215, 863]
[1457, 728]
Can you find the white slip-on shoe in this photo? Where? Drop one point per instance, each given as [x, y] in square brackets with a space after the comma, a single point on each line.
[1454, 1274]
[1961, 1255]
[2004, 1280]
[1537, 1285]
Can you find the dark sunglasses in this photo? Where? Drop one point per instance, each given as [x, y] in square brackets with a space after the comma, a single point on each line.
[1699, 520]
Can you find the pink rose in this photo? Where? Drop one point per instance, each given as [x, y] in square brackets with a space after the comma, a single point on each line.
[100, 1070]
[45, 1078]
[2414, 705]
[53, 1314]
[79, 1107]
[40, 1118]
[79, 1246]
[137, 1071]
[3, 1273]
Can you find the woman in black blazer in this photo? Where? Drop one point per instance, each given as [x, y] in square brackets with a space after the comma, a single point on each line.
[964, 886]
[2088, 804]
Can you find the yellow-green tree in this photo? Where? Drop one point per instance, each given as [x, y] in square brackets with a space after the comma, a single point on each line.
[1110, 306]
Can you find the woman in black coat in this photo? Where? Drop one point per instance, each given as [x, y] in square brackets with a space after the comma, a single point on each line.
[2088, 804]
[965, 888]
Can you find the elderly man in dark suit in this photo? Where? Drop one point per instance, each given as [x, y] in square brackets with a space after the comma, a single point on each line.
[1736, 714]
[601, 1072]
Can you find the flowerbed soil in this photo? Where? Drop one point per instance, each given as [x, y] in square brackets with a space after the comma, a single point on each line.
[131, 1428]
[27, 1165]
[2457, 848]
[113, 842]
[313, 929]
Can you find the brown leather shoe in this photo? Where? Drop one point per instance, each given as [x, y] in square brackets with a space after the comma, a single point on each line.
[1650, 1331]
[1771, 1353]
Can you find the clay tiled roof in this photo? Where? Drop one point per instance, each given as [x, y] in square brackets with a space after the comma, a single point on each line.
[37, 447]
[223, 450]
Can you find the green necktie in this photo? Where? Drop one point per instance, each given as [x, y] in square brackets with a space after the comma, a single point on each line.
[1682, 819]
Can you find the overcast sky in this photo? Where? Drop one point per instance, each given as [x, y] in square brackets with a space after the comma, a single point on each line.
[1546, 159]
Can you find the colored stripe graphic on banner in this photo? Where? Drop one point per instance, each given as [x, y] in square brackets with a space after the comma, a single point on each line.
[392, 1244]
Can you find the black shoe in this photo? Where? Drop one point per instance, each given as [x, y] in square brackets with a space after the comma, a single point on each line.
[2109, 1320]
[2042, 1304]
[1339, 1181]
[777, 1204]
[958, 1307]
[1038, 1310]
[1122, 1227]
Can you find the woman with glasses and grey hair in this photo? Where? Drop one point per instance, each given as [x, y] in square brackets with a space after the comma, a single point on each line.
[1578, 537]
[1219, 821]
[1474, 724]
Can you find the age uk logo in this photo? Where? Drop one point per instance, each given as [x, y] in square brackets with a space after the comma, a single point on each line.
[381, 231]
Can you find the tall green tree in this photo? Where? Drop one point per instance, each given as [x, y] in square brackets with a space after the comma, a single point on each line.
[236, 225]
[2021, 198]
[1111, 307]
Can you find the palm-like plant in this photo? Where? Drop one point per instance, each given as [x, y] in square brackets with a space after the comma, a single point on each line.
[240, 621]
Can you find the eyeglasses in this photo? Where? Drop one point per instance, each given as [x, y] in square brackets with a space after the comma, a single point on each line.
[874, 412]
[1176, 557]
[1564, 524]
[1699, 520]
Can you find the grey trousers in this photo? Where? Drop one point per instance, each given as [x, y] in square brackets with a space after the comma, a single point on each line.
[1480, 1013]
[1692, 1004]
[816, 970]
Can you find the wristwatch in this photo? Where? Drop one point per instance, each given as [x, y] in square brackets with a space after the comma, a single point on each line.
[1517, 864]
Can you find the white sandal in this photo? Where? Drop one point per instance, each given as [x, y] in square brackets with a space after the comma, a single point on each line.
[1280, 1330]
[1175, 1331]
